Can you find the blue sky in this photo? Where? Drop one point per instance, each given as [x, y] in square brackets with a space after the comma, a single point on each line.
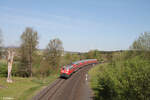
[82, 25]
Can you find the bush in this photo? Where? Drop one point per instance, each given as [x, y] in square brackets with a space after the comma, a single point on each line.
[127, 79]
[3, 70]
[42, 71]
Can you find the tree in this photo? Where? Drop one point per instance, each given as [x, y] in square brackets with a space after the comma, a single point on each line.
[68, 57]
[53, 53]
[76, 57]
[93, 54]
[29, 40]
[142, 43]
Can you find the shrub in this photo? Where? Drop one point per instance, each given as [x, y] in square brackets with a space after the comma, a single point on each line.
[125, 80]
[3, 70]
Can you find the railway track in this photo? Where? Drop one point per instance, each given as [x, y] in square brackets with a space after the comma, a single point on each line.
[64, 89]
[46, 91]
[55, 88]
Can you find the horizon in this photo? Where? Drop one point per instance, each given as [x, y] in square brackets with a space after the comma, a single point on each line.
[80, 25]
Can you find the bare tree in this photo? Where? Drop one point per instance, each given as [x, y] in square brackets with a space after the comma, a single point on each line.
[54, 52]
[28, 47]
[10, 63]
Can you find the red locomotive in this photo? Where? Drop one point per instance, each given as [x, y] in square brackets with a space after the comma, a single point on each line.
[67, 71]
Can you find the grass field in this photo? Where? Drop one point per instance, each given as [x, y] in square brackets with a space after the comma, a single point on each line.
[23, 88]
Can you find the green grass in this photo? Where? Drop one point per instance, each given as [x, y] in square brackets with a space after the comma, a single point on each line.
[23, 88]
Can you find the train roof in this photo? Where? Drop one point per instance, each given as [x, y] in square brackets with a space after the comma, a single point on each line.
[83, 61]
[70, 65]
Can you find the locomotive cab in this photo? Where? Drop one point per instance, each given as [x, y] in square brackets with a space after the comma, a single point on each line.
[66, 71]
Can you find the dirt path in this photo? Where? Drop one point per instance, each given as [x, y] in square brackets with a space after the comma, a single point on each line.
[74, 88]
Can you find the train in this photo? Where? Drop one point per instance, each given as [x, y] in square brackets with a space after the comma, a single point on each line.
[68, 70]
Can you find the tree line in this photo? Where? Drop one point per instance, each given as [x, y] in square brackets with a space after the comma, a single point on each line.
[28, 58]
[31, 61]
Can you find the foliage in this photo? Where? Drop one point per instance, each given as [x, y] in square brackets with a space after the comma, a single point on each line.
[124, 79]
[142, 43]
[53, 53]
[76, 57]
[69, 58]
[28, 47]
[49, 62]
[3, 70]
[43, 70]
[93, 54]
[127, 76]
[93, 73]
